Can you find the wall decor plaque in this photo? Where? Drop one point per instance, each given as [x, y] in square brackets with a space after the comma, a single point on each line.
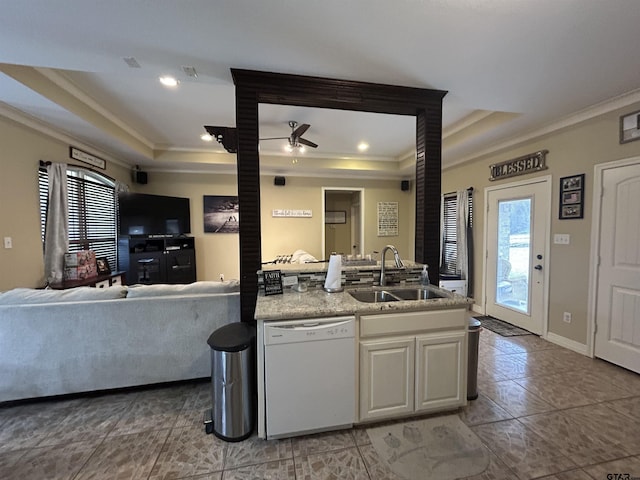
[85, 157]
[534, 162]
[272, 282]
[630, 127]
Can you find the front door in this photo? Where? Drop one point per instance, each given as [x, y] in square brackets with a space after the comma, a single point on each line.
[618, 275]
[518, 217]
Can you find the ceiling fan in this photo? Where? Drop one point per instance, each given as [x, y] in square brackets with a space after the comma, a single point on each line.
[295, 139]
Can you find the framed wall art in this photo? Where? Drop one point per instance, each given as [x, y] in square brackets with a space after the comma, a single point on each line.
[221, 214]
[630, 127]
[572, 197]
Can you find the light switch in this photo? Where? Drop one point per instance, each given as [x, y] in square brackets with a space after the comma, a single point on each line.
[562, 238]
[8, 243]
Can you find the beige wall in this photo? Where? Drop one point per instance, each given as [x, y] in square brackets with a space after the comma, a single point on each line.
[572, 151]
[286, 235]
[338, 235]
[21, 150]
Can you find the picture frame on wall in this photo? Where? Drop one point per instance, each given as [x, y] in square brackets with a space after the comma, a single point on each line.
[630, 127]
[572, 197]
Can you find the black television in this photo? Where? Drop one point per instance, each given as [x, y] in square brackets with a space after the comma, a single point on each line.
[144, 214]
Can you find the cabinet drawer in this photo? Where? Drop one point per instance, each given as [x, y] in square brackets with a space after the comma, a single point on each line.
[400, 323]
[103, 284]
[116, 280]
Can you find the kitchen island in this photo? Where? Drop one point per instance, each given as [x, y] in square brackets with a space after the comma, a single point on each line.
[408, 357]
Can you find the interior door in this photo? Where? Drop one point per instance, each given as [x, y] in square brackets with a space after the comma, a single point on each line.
[618, 275]
[518, 218]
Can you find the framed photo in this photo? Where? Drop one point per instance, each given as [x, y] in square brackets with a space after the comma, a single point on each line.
[221, 214]
[103, 266]
[630, 127]
[572, 197]
[339, 216]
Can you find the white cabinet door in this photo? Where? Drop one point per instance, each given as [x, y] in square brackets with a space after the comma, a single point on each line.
[386, 377]
[440, 371]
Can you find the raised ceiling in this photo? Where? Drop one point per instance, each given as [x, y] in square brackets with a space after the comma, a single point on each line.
[513, 68]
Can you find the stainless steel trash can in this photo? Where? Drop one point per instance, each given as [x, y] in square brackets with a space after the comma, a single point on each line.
[232, 379]
[472, 361]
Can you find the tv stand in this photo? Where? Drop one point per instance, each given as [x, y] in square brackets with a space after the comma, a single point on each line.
[157, 259]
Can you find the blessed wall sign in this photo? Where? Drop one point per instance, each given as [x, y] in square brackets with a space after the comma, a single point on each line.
[534, 162]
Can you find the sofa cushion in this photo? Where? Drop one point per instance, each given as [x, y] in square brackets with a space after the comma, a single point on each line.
[28, 296]
[196, 288]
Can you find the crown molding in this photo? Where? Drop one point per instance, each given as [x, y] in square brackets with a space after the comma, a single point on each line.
[39, 126]
[593, 111]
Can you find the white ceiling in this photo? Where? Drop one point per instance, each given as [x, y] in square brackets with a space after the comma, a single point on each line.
[512, 67]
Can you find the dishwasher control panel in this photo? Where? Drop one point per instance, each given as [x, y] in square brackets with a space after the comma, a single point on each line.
[313, 329]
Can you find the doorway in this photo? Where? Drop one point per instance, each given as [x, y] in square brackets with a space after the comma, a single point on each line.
[343, 215]
[516, 239]
[615, 278]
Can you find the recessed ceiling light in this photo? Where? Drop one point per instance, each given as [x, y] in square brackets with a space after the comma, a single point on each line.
[169, 81]
[363, 146]
[206, 137]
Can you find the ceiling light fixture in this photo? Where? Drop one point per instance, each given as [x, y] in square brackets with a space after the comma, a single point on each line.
[363, 146]
[206, 137]
[169, 81]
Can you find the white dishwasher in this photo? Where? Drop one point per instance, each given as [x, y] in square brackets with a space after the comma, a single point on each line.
[309, 374]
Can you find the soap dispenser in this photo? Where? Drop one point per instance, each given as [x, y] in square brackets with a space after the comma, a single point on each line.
[424, 276]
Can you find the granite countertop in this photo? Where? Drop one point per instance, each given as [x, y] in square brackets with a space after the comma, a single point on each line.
[316, 303]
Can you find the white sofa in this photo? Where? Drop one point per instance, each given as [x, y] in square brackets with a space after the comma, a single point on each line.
[87, 339]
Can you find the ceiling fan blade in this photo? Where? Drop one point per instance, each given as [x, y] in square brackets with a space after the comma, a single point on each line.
[275, 138]
[306, 142]
[298, 132]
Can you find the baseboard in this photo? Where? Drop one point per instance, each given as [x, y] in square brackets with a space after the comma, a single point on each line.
[567, 343]
[477, 308]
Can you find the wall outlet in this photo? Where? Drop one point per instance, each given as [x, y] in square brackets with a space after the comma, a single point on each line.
[566, 317]
[8, 243]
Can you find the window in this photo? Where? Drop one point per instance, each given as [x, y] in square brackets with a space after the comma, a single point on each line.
[449, 260]
[92, 212]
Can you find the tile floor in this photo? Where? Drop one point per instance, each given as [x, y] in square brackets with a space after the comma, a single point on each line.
[543, 412]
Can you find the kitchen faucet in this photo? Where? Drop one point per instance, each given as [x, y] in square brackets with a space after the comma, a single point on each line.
[396, 256]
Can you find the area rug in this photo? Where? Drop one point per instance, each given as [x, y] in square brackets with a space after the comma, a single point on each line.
[501, 328]
[440, 448]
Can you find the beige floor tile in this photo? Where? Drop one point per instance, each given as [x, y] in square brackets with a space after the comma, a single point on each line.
[28, 426]
[627, 406]
[321, 442]
[48, 463]
[360, 435]
[630, 466]
[150, 412]
[278, 470]
[87, 422]
[255, 450]
[620, 377]
[617, 427]
[505, 367]
[341, 464]
[496, 470]
[553, 389]
[483, 410]
[189, 452]
[577, 474]
[574, 439]
[596, 388]
[522, 450]
[378, 469]
[126, 457]
[515, 399]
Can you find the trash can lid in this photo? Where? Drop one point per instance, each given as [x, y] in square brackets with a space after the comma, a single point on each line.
[233, 337]
[474, 323]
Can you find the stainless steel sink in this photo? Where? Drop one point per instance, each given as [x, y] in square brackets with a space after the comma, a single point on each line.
[373, 296]
[415, 294]
[377, 296]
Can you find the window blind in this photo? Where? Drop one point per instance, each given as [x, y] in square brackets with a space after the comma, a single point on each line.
[92, 213]
[449, 260]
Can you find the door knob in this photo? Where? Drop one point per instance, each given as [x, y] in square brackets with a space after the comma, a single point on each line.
[538, 267]
[539, 257]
